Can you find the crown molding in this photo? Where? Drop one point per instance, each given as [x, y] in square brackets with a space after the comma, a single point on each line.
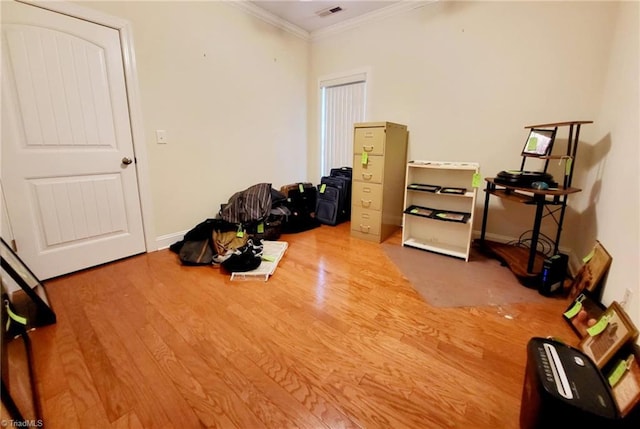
[375, 15]
[268, 17]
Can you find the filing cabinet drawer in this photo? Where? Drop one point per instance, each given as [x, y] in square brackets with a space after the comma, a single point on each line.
[366, 221]
[370, 140]
[370, 172]
[367, 195]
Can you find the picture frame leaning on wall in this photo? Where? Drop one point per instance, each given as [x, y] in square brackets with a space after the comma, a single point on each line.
[590, 275]
[25, 291]
[611, 332]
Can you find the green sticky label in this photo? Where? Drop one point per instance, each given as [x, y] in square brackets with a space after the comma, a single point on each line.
[365, 158]
[240, 232]
[268, 258]
[589, 256]
[414, 210]
[532, 144]
[13, 316]
[617, 373]
[261, 228]
[573, 311]
[475, 182]
[301, 187]
[323, 187]
[567, 166]
[600, 326]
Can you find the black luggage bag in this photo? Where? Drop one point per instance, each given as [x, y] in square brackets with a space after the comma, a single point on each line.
[328, 205]
[301, 202]
[347, 173]
[343, 185]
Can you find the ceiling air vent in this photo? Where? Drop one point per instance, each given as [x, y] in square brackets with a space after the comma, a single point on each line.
[329, 11]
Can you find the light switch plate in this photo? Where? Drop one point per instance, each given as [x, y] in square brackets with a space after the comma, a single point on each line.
[161, 137]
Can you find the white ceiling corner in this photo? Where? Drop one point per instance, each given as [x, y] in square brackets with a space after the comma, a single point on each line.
[300, 17]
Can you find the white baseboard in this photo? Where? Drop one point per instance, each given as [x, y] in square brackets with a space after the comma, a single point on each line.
[164, 241]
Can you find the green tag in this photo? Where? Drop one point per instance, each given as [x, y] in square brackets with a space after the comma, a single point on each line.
[600, 326]
[414, 210]
[617, 373]
[13, 316]
[301, 187]
[589, 256]
[365, 158]
[475, 182]
[532, 144]
[323, 187]
[261, 228]
[240, 232]
[573, 311]
[268, 258]
[567, 166]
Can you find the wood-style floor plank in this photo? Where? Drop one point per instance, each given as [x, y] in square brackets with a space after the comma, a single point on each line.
[337, 338]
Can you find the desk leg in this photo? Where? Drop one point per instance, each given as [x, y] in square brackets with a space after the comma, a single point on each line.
[535, 234]
[560, 221]
[485, 212]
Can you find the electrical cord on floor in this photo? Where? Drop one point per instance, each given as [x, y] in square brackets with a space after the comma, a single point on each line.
[545, 244]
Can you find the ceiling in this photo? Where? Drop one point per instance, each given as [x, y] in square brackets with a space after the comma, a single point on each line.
[304, 13]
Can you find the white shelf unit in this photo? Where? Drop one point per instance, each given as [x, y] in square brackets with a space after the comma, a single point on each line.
[448, 237]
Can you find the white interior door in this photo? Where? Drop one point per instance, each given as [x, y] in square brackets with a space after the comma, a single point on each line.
[72, 198]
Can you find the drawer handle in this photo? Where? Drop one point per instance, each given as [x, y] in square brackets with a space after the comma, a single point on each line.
[366, 190]
[367, 176]
[366, 203]
[370, 148]
[364, 228]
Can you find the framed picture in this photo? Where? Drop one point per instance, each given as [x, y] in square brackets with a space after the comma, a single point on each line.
[25, 291]
[592, 271]
[539, 142]
[609, 334]
[583, 313]
[624, 379]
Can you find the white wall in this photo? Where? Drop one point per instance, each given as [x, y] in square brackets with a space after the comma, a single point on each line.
[614, 196]
[229, 89]
[466, 77]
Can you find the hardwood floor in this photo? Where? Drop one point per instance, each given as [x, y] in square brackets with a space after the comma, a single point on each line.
[337, 338]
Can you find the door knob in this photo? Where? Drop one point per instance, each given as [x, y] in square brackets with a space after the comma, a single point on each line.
[126, 160]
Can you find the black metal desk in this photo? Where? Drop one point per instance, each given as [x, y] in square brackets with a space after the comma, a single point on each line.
[542, 199]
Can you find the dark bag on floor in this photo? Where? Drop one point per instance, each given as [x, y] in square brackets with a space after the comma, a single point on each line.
[251, 205]
[196, 252]
[343, 185]
[327, 205]
[301, 202]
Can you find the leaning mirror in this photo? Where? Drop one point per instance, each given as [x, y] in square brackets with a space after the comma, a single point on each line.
[25, 291]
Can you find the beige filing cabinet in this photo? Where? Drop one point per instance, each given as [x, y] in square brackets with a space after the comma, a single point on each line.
[379, 160]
